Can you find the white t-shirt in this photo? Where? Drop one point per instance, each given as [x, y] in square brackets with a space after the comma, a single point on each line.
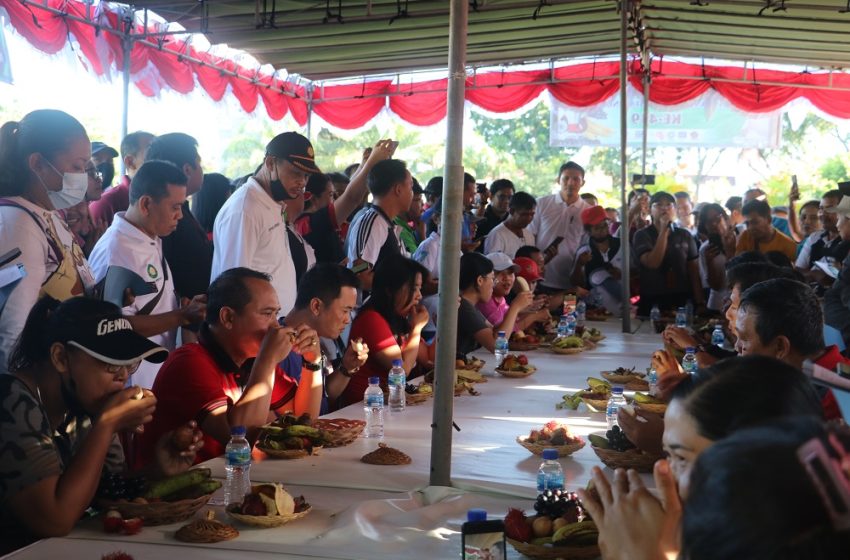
[502, 240]
[249, 231]
[715, 297]
[123, 244]
[369, 231]
[19, 230]
[555, 218]
[428, 254]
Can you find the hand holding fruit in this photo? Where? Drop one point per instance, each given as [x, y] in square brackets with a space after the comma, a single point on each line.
[176, 450]
[522, 301]
[355, 355]
[419, 316]
[277, 344]
[678, 337]
[128, 409]
[642, 428]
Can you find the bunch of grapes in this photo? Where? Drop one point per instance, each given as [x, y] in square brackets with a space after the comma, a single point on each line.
[557, 503]
[618, 440]
[116, 486]
[410, 389]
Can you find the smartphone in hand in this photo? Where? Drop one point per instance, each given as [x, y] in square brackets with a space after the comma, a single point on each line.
[360, 266]
[482, 539]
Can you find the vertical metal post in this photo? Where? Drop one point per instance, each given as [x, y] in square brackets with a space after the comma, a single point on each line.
[127, 47]
[444, 378]
[645, 134]
[309, 111]
[624, 229]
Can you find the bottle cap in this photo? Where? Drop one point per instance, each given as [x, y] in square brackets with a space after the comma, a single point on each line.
[374, 380]
[237, 431]
[550, 454]
[501, 333]
[617, 390]
[690, 350]
[397, 363]
[476, 515]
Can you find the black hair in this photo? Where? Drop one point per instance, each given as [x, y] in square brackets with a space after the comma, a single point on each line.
[337, 177]
[324, 281]
[571, 165]
[834, 193]
[734, 203]
[46, 131]
[501, 184]
[393, 274]
[468, 178]
[522, 201]
[152, 179]
[634, 192]
[50, 321]
[473, 265]
[725, 398]
[779, 259]
[702, 217]
[230, 290]
[207, 202]
[317, 183]
[131, 145]
[814, 203]
[750, 496]
[748, 274]
[787, 308]
[176, 147]
[757, 207]
[350, 170]
[589, 196]
[682, 194]
[417, 188]
[385, 174]
[434, 186]
[526, 251]
[747, 257]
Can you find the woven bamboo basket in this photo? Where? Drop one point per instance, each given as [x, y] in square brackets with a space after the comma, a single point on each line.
[159, 513]
[619, 379]
[515, 374]
[557, 350]
[266, 521]
[652, 407]
[417, 398]
[522, 346]
[597, 338]
[554, 552]
[339, 431]
[596, 405]
[287, 453]
[563, 450]
[632, 459]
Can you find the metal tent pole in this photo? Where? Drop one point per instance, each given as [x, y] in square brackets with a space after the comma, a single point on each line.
[645, 134]
[127, 48]
[444, 378]
[624, 228]
[309, 110]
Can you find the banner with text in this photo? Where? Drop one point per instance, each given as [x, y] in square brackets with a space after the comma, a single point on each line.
[708, 121]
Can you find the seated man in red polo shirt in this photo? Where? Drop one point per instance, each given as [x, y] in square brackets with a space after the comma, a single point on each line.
[232, 376]
[783, 319]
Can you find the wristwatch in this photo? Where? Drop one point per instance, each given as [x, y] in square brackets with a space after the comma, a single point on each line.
[314, 366]
[345, 371]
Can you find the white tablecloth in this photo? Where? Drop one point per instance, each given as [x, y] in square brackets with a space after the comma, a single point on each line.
[366, 511]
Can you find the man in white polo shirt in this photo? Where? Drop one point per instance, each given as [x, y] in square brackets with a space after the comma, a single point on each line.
[250, 229]
[558, 228]
[512, 233]
[157, 192]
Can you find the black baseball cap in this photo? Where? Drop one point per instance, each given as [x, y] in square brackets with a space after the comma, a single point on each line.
[434, 186]
[100, 146]
[662, 196]
[294, 148]
[110, 338]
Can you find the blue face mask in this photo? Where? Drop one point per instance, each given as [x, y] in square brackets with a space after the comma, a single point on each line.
[74, 186]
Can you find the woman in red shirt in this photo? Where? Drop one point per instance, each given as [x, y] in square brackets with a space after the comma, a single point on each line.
[390, 322]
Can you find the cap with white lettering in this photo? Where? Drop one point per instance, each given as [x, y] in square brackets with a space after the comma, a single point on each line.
[111, 339]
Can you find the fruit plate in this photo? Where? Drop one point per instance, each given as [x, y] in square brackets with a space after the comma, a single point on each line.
[286, 453]
[620, 379]
[340, 431]
[631, 459]
[516, 374]
[595, 405]
[652, 407]
[553, 552]
[417, 398]
[158, 513]
[563, 450]
[266, 521]
[557, 350]
[522, 346]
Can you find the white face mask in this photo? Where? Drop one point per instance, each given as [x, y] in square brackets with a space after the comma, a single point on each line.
[74, 186]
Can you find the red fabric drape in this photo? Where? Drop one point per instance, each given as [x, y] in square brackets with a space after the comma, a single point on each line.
[351, 106]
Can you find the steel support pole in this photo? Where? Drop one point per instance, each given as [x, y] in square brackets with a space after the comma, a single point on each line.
[624, 228]
[309, 111]
[127, 44]
[645, 134]
[441, 426]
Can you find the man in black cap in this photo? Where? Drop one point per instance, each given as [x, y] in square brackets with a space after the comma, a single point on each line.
[667, 260]
[102, 156]
[250, 230]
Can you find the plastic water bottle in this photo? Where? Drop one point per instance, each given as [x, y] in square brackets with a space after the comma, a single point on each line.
[581, 311]
[681, 317]
[655, 314]
[501, 348]
[373, 405]
[717, 337]
[563, 327]
[652, 380]
[571, 324]
[397, 379]
[614, 403]
[237, 457]
[550, 476]
[689, 362]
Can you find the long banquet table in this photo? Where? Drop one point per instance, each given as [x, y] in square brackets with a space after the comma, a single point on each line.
[368, 511]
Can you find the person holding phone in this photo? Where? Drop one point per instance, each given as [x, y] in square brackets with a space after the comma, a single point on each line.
[827, 243]
[714, 252]
[599, 263]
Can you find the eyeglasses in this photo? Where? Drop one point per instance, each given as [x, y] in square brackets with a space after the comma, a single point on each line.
[131, 368]
[94, 173]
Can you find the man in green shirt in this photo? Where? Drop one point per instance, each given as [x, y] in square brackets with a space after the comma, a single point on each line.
[411, 228]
